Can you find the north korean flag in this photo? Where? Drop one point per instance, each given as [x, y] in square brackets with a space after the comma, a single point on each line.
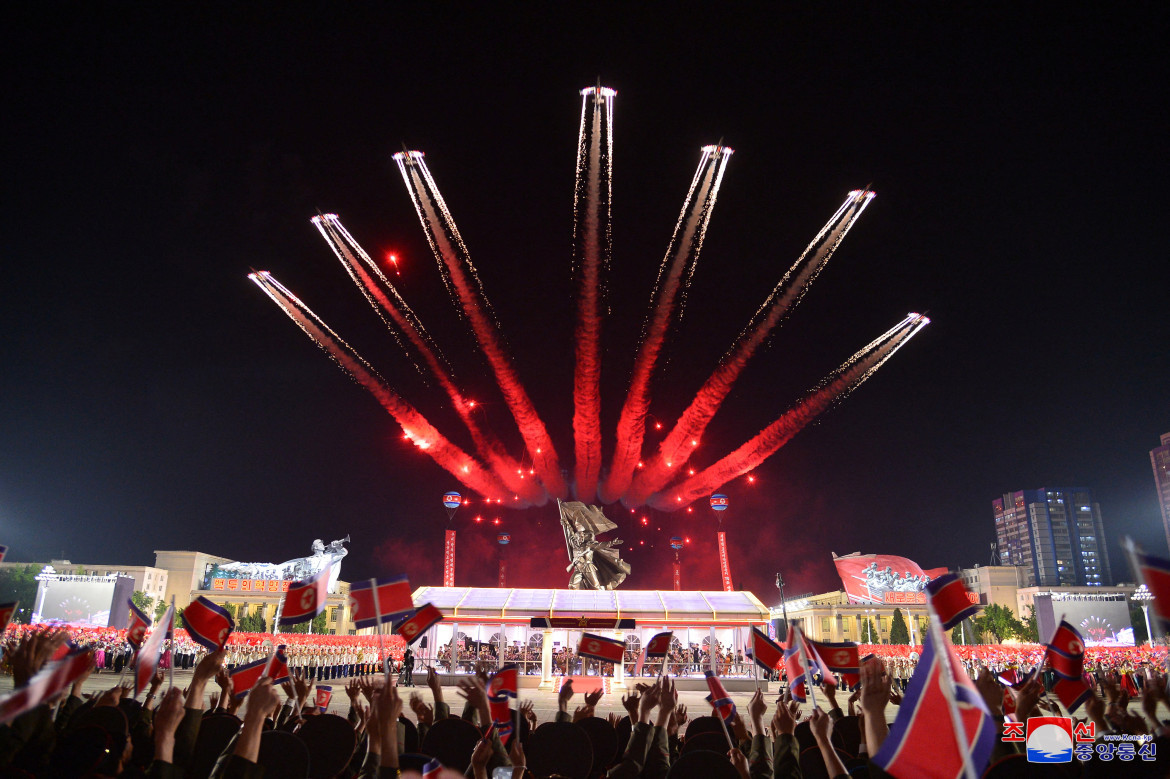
[950, 599]
[46, 683]
[324, 694]
[659, 646]
[598, 647]
[1072, 692]
[432, 770]
[305, 599]
[3, 551]
[146, 660]
[208, 624]
[413, 627]
[139, 624]
[767, 653]
[1154, 572]
[840, 657]
[1066, 652]
[505, 682]
[375, 601]
[244, 677]
[719, 699]
[6, 612]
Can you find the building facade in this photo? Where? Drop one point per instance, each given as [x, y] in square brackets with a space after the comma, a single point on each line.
[994, 584]
[1160, 462]
[1055, 535]
[831, 617]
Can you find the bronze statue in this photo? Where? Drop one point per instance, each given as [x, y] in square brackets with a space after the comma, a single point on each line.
[596, 565]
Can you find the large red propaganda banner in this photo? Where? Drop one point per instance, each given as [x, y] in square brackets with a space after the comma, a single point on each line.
[880, 578]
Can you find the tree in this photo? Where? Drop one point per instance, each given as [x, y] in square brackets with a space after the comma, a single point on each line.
[20, 584]
[251, 623]
[1137, 618]
[1000, 622]
[899, 633]
[160, 608]
[959, 636]
[318, 626]
[1031, 632]
[869, 633]
[141, 601]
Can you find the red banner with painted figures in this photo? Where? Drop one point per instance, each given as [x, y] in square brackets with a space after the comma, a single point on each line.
[882, 578]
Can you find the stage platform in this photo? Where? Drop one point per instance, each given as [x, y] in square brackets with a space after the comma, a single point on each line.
[531, 625]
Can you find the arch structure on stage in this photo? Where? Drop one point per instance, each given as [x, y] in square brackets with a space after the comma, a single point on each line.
[533, 627]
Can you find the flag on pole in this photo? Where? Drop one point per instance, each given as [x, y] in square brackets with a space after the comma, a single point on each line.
[146, 661]
[1066, 652]
[658, 646]
[504, 684]
[139, 624]
[244, 677]
[801, 663]
[208, 624]
[432, 770]
[609, 650]
[1072, 692]
[950, 599]
[375, 601]
[305, 599]
[1154, 572]
[324, 694]
[419, 622]
[3, 551]
[767, 653]
[50, 680]
[719, 699]
[841, 657]
[6, 612]
[923, 741]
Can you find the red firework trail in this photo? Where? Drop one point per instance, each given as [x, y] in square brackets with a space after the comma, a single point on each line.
[414, 425]
[677, 446]
[593, 248]
[764, 444]
[403, 319]
[681, 256]
[453, 258]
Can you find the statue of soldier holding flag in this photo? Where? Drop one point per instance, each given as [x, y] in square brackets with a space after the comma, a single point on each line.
[596, 564]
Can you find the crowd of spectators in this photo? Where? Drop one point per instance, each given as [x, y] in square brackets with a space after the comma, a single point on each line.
[278, 731]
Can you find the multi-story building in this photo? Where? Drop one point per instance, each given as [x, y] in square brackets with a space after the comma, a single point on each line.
[1160, 461]
[149, 579]
[994, 584]
[1055, 535]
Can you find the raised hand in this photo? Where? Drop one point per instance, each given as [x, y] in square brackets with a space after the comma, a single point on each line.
[678, 720]
[739, 762]
[166, 720]
[528, 713]
[648, 701]
[433, 683]
[875, 686]
[591, 698]
[991, 692]
[785, 718]
[564, 695]
[630, 704]
[422, 712]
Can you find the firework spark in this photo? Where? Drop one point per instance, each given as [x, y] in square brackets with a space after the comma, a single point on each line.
[633, 477]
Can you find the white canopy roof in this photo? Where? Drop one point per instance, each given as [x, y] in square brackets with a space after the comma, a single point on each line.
[645, 606]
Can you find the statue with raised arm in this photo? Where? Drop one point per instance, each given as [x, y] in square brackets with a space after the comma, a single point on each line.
[596, 565]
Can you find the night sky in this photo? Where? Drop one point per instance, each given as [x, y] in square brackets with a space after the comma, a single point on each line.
[153, 398]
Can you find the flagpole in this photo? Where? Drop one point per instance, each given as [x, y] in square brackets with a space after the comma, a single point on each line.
[808, 682]
[378, 630]
[947, 682]
[171, 661]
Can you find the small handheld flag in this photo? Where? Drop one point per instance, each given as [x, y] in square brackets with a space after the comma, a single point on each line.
[767, 653]
[600, 648]
[244, 677]
[950, 599]
[503, 685]
[208, 624]
[719, 699]
[136, 629]
[432, 770]
[6, 612]
[146, 662]
[841, 658]
[324, 693]
[659, 645]
[305, 599]
[418, 623]
[375, 601]
[50, 680]
[1154, 572]
[1072, 692]
[3, 551]
[1066, 652]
